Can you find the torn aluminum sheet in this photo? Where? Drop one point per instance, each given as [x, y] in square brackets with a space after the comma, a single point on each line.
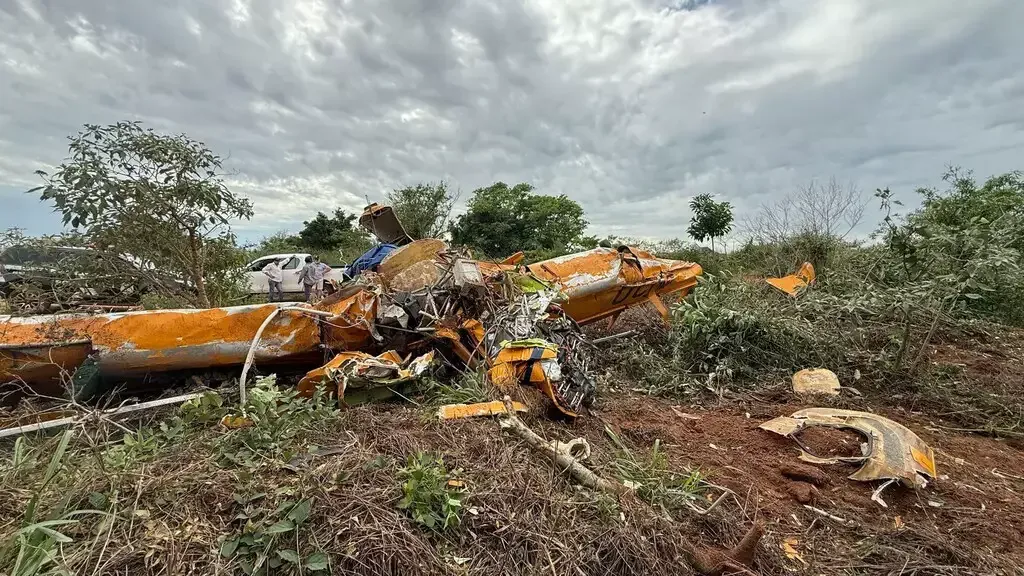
[794, 283]
[892, 451]
[816, 381]
[359, 370]
[602, 282]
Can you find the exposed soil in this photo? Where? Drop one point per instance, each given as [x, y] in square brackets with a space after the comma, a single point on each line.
[971, 514]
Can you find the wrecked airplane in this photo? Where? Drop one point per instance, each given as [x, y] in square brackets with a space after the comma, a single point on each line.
[520, 324]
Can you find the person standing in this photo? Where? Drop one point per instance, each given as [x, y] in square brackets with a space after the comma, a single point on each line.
[307, 276]
[275, 277]
[321, 272]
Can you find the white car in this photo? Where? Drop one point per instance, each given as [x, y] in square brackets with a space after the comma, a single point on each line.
[291, 264]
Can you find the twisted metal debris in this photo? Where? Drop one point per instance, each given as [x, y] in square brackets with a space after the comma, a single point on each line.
[519, 323]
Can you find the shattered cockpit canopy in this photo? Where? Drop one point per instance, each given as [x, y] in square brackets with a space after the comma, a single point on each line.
[892, 451]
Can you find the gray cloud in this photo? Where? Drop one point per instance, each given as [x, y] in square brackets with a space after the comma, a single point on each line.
[628, 106]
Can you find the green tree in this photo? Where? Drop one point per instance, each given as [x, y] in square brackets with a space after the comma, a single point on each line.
[710, 219]
[334, 234]
[962, 249]
[501, 220]
[159, 198]
[423, 209]
[277, 243]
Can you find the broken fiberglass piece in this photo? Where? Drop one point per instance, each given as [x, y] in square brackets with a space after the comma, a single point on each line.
[382, 222]
[793, 283]
[816, 381]
[892, 451]
[361, 370]
[492, 408]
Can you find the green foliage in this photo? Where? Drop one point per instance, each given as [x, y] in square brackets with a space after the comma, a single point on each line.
[500, 221]
[134, 447]
[471, 387]
[423, 209]
[156, 301]
[158, 198]
[786, 255]
[334, 234]
[652, 479]
[267, 540]
[34, 548]
[710, 219]
[961, 250]
[725, 331]
[146, 442]
[427, 495]
[278, 243]
[279, 417]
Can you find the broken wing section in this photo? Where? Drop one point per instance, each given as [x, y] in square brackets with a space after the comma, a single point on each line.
[603, 282]
[129, 344]
[794, 283]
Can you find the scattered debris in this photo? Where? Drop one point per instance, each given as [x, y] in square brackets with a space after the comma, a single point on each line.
[794, 283]
[816, 381]
[788, 546]
[361, 371]
[832, 517]
[120, 410]
[492, 408]
[891, 452]
[604, 339]
[562, 460]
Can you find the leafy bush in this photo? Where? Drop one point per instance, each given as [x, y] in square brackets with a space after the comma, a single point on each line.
[470, 388]
[267, 541]
[430, 495]
[961, 251]
[273, 418]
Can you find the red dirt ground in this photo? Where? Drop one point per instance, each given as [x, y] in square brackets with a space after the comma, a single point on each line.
[975, 500]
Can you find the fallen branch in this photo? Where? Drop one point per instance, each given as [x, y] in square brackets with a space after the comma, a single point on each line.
[832, 517]
[563, 461]
[707, 562]
[60, 422]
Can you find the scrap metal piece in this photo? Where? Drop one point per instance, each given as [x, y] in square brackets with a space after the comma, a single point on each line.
[401, 260]
[382, 222]
[467, 277]
[495, 407]
[793, 283]
[361, 370]
[892, 451]
[816, 381]
[603, 282]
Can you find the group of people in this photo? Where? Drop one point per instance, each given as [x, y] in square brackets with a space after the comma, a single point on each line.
[311, 276]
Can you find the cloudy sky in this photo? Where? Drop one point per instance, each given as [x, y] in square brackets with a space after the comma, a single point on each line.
[630, 107]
